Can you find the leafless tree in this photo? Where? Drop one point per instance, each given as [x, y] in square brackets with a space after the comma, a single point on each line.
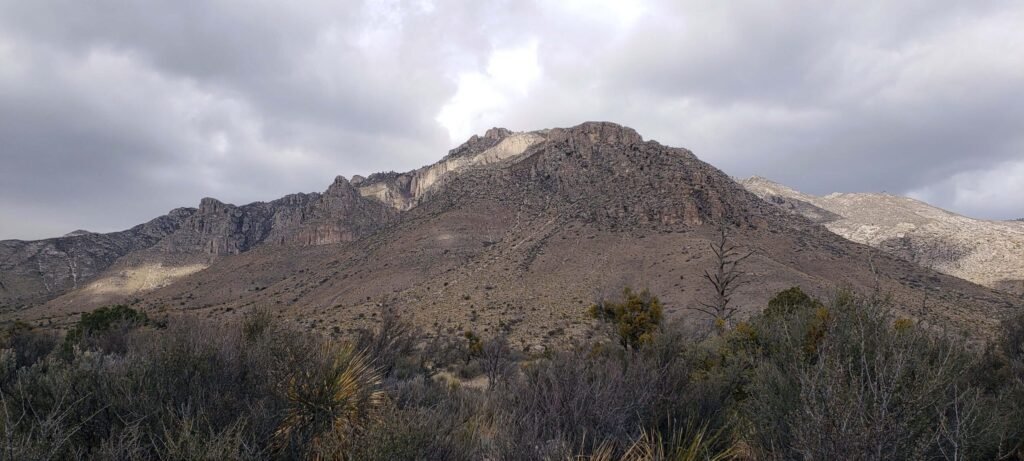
[497, 359]
[725, 278]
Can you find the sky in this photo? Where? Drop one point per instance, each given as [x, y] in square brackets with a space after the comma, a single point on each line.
[114, 112]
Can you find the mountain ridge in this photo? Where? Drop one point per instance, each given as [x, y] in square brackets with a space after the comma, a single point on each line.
[521, 239]
[983, 251]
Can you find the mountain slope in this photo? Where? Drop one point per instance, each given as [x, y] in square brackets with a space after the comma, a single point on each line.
[990, 253]
[524, 243]
[31, 271]
[107, 267]
[124, 263]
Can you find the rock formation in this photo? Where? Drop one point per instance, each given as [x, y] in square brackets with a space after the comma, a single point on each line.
[42, 269]
[178, 243]
[404, 191]
[990, 253]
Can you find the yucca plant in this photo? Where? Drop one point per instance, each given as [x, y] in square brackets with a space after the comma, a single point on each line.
[682, 445]
[329, 403]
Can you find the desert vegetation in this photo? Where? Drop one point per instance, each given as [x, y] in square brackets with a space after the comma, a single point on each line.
[837, 378]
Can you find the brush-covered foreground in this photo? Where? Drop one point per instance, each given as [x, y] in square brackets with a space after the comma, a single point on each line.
[805, 379]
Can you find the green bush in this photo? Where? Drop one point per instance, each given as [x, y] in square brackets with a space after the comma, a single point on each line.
[790, 300]
[104, 328]
[635, 318]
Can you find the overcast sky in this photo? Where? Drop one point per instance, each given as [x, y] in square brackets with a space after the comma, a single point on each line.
[114, 112]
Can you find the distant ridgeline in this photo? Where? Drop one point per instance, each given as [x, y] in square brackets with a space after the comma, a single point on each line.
[515, 233]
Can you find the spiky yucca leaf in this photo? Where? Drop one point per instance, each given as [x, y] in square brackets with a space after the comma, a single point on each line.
[329, 401]
[683, 445]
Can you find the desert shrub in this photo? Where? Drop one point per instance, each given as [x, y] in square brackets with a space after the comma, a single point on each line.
[635, 318]
[257, 322]
[427, 420]
[27, 343]
[441, 350]
[1011, 338]
[844, 380]
[790, 300]
[193, 387]
[468, 370]
[474, 345]
[839, 379]
[396, 434]
[104, 329]
[187, 437]
[105, 318]
[392, 344]
[579, 400]
[497, 359]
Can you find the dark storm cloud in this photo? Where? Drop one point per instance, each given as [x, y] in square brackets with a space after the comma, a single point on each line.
[824, 96]
[114, 112]
[117, 112]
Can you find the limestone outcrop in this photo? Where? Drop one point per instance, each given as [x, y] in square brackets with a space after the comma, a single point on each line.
[404, 191]
[990, 253]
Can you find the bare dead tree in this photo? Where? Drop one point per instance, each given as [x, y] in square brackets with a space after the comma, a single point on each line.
[497, 360]
[725, 278]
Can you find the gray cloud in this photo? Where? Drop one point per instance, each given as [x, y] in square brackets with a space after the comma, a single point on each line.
[112, 113]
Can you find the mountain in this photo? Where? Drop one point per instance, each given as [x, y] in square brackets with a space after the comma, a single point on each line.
[39, 270]
[182, 242]
[520, 232]
[990, 253]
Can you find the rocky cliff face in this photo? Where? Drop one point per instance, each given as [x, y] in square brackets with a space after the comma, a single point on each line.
[404, 191]
[987, 252]
[184, 241]
[340, 214]
[37, 270]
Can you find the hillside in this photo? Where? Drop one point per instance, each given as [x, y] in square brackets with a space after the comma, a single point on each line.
[115, 265]
[522, 237]
[33, 271]
[990, 253]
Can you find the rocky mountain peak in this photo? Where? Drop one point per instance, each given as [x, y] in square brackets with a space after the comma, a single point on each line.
[208, 205]
[182, 212]
[477, 144]
[606, 174]
[592, 133]
[340, 186]
[497, 133]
